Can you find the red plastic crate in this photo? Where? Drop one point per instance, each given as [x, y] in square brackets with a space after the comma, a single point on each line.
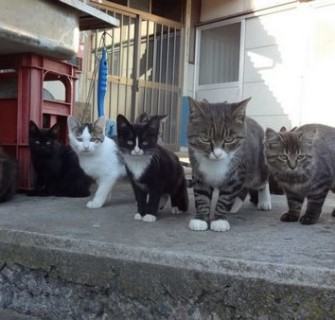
[30, 71]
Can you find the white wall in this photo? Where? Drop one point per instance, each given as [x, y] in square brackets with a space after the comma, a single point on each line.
[289, 63]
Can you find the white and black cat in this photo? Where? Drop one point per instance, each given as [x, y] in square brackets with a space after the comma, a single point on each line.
[154, 171]
[98, 156]
[57, 170]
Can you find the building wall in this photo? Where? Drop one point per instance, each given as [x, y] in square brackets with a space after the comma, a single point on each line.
[289, 64]
[216, 9]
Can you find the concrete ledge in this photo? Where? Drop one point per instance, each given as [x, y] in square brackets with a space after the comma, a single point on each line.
[63, 261]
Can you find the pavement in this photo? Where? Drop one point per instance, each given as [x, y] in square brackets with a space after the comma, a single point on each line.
[258, 244]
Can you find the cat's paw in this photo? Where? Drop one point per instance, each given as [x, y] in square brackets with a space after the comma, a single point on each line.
[238, 203]
[308, 219]
[198, 225]
[265, 206]
[93, 204]
[149, 218]
[137, 216]
[289, 217]
[175, 210]
[264, 199]
[220, 225]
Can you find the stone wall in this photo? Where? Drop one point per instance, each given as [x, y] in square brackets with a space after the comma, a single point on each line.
[154, 293]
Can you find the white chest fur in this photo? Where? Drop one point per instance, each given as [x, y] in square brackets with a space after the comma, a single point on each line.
[214, 171]
[137, 164]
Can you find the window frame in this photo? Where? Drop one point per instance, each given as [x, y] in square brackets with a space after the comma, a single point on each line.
[232, 84]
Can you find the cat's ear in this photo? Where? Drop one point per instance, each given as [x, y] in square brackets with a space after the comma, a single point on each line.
[122, 122]
[33, 128]
[282, 129]
[55, 129]
[161, 117]
[154, 123]
[143, 117]
[73, 123]
[271, 135]
[100, 123]
[197, 108]
[239, 110]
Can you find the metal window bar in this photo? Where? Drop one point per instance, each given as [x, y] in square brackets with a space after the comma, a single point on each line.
[153, 68]
[173, 77]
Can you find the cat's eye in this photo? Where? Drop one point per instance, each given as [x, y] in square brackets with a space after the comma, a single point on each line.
[80, 139]
[204, 139]
[229, 139]
[37, 142]
[48, 143]
[145, 143]
[300, 156]
[283, 157]
[130, 142]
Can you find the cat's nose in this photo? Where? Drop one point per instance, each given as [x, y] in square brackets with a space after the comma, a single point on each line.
[218, 153]
[292, 164]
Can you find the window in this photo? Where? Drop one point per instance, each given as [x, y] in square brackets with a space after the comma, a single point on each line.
[220, 54]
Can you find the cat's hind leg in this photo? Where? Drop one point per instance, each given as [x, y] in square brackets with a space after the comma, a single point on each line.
[179, 200]
[239, 201]
[264, 198]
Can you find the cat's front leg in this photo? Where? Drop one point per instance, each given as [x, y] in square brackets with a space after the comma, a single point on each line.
[202, 196]
[152, 206]
[105, 185]
[264, 198]
[141, 200]
[225, 202]
[314, 206]
[294, 202]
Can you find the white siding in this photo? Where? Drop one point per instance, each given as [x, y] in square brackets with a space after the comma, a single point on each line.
[289, 64]
[272, 72]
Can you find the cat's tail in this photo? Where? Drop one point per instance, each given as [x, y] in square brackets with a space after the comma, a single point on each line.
[180, 198]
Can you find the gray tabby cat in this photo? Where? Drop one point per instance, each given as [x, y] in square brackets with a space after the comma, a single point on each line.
[226, 152]
[303, 163]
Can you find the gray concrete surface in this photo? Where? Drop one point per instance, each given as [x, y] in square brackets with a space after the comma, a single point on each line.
[264, 268]
[12, 315]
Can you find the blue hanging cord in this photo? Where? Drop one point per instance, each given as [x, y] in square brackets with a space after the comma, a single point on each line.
[102, 79]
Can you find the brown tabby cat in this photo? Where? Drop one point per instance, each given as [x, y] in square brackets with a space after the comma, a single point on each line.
[227, 153]
[303, 162]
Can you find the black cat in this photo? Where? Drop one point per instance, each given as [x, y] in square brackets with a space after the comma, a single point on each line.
[57, 169]
[8, 176]
[154, 171]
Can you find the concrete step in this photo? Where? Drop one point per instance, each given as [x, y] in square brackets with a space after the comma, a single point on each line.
[60, 260]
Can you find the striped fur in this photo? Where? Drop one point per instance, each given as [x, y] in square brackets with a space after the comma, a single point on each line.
[303, 162]
[226, 153]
